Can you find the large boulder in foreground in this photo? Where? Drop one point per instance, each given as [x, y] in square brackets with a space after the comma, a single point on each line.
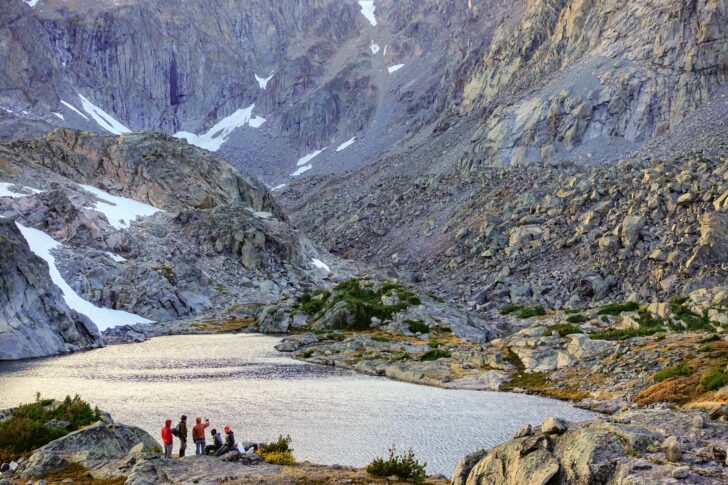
[90, 446]
[34, 318]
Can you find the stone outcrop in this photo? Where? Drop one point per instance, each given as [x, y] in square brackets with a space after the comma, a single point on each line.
[632, 447]
[34, 318]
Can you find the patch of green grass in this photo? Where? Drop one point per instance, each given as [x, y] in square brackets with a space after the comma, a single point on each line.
[26, 429]
[436, 298]
[401, 357]
[678, 370]
[563, 329]
[417, 326]
[444, 329]
[692, 320]
[381, 339]
[617, 308]
[576, 319]
[570, 311]
[508, 309]
[713, 379]
[307, 353]
[531, 311]
[710, 338]
[623, 334]
[404, 466]
[435, 354]
[312, 304]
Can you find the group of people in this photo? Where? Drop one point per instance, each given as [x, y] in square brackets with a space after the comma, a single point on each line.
[217, 448]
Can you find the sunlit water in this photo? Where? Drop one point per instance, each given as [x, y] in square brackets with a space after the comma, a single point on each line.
[333, 416]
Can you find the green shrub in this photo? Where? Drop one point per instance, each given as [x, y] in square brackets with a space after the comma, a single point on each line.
[576, 319]
[531, 311]
[417, 326]
[25, 430]
[405, 466]
[508, 309]
[307, 353]
[713, 379]
[678, 370]
[278, 452]
[623, 334]
[381, 339]
[313, 304]
[564, 329]
[444, 329]
[617, 308]
[435, 354]
[692, 320]
[710, 338]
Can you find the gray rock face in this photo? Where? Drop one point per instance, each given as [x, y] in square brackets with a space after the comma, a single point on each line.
[34, 319]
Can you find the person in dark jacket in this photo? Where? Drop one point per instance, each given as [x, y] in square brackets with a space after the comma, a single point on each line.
[198, 435]
[167, 438]
[216, 442]
[182, 435]
[229, 442]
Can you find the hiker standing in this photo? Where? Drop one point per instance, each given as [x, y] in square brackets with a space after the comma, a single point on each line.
[167, 438]
[198, 435]
[182, 435]
[216, 442]
[229, 442]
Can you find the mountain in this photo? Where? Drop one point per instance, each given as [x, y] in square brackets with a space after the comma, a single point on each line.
[137, 228]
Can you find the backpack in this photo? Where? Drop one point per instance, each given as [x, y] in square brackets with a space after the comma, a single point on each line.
[175, 431]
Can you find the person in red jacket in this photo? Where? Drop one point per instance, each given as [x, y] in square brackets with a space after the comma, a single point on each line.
[198, 435]
[167, 438]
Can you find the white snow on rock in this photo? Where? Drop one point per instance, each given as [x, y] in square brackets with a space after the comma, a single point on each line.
[278, 187]
[104, 119]
[8, 110]
[115, 257]
[307, 158]
[73, 108]
[321, 265]
[374, 47]
[367, 10]
[263, 81]
[385, 50]
[119, 211]
[41, 245]
[218, 134]
[346, 144]
[259, 214]
[395, 68]
[301, 170]
[32, 3]
[59, 115]
[6, 192]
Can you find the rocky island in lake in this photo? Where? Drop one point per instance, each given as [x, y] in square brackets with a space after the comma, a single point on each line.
[489, 235]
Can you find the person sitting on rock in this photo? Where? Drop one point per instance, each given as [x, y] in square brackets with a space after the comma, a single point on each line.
[216, 442]
[182, 435]
[229, 442]
[198, 435]
[167, 438]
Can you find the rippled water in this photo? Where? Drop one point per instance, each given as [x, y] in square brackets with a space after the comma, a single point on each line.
[333, 416]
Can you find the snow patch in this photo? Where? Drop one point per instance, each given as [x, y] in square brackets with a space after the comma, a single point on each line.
[321, 265]
[278, 187]
[301, 170]
[6, 192]
[374, 47]
[395, 68]
[32, 3]
[8, 110]
[41, 245]
[218, 134]
[119, 211]
[259, 214]
[346, 144]
[59, 115]
[72, 107]
[115, 257]
[367, 10]
[307, 158]
[385, 50]
[263, 81]
[104, 119]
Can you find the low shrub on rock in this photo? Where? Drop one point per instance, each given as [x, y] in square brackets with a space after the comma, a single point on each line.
[713, 379]
[404, 466]
[278, 452]
[33, 425]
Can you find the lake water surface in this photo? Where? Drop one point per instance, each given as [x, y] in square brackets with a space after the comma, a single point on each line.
[333, 416]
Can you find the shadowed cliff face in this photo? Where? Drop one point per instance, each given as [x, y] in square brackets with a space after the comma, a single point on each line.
[318, 72]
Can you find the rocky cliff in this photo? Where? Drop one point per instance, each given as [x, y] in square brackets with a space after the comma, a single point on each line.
[34, 319]
[146, 227]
